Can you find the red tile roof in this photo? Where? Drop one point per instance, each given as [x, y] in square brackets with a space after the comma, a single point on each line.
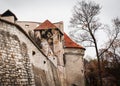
[70, 43]
[46, 25]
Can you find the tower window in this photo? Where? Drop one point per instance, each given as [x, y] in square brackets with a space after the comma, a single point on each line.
[59, 37]
[44, 62]
[33, 53]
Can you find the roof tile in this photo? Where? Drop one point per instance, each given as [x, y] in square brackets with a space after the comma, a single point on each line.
[46, 25]
[70, 43]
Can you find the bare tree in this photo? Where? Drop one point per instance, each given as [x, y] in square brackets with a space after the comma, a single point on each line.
[113, 36]
[115, 50]
[85, 20]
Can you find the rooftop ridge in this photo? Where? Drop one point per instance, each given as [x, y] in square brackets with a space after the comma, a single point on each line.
[46, 25]
[69, 43]
[9, 13]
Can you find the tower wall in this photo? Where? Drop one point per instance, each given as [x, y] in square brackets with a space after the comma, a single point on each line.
[73, 59]
[9, 18]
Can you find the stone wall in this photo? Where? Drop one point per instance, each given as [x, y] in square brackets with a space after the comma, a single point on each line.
[73, 59]
[15, 67]
[28, 26]
[8, 18]
[22, 63]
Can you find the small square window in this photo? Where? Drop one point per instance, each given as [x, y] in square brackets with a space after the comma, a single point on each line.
[44, 62]
[33, 53]
[27, 26]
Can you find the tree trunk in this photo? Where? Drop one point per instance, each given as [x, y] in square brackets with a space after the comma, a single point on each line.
[97, 54]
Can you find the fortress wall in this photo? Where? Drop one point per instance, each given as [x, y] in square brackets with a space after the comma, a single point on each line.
[27, 26]
[21, 61]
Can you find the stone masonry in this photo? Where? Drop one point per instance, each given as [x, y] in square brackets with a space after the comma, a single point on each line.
[22, 63]
[15, 67]
[38, 54]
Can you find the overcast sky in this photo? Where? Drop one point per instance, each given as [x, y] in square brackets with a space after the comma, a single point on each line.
[56, 10]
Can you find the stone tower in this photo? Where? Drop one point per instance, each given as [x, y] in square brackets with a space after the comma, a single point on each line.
[49, 34]
[73, 58]
[51, 40]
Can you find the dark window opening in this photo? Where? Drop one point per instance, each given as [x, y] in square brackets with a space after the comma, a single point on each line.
[64, 59]
[44, 62]
[33, 53]
[26, 25]
[60, 38]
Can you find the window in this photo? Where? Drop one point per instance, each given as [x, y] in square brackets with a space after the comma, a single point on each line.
[26, 25]
[33, 53]
[59, 37]
[44, 62]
